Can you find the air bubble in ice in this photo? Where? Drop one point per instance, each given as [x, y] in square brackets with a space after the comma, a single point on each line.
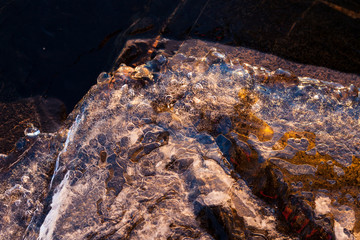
[352, 88]
[214, 57]
[31, 131]
[282, 72]
[3, 157]
[104, 76]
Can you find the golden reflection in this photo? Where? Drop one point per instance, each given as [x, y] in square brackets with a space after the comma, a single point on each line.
[340, 186]
[281, 144]
[246, 122]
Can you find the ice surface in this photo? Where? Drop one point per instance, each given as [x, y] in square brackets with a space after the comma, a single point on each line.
[195, 144]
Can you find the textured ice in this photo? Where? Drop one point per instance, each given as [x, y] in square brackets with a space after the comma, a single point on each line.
[193, 144]
[294, 169]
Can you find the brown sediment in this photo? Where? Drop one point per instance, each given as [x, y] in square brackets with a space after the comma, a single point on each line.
[281, 144]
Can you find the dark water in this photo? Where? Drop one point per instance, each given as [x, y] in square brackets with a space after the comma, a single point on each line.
[57, 49]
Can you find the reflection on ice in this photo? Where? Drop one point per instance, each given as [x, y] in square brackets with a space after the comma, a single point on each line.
[196, 144]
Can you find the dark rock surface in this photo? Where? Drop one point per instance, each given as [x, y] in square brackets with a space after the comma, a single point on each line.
[56, 49]
[193, 144]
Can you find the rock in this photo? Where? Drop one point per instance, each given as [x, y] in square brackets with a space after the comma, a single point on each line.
[202, 149]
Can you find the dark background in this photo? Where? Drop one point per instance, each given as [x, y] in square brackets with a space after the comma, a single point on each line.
[58, 48]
